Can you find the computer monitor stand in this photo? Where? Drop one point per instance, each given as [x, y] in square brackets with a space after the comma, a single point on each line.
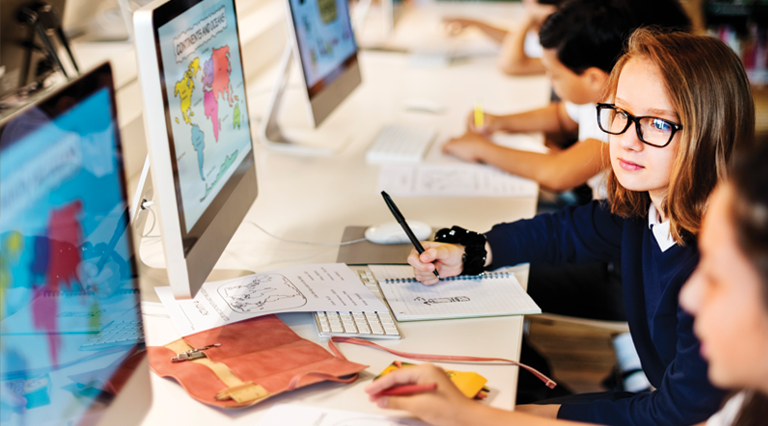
[269, 131]
[151, 277]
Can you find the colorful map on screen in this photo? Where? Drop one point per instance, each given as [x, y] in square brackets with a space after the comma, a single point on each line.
[206, 99]
[325, 36]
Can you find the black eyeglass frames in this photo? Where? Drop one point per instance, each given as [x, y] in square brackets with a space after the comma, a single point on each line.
[652, 131]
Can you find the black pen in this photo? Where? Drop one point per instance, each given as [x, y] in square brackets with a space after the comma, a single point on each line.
[401, 220]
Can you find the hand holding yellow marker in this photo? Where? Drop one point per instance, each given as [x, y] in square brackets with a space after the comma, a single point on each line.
[479, 117]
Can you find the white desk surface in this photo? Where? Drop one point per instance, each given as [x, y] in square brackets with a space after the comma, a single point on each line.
[315, 198]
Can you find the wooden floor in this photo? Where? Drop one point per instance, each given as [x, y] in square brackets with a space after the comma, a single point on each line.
[581, 356]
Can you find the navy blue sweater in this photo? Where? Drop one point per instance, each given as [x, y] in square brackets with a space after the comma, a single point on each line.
[661, 330]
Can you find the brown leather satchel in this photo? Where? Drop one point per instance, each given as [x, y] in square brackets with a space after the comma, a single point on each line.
[241, 364]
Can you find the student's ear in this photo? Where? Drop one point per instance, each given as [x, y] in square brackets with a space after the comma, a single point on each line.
[595, 78]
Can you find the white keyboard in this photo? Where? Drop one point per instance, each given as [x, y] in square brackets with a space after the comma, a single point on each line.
[116, 333]
[365, 324]
[400, 144]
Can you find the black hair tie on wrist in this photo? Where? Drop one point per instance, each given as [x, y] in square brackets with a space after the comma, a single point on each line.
[474, 247]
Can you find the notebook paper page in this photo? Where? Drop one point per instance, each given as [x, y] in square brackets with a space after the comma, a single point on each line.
[391, 272]
[457, 297]
[453, 180]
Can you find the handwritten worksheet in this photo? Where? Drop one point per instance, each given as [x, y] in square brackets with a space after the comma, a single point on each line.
[491, 294]
[303, 288]
[297, 415]
[453, 180]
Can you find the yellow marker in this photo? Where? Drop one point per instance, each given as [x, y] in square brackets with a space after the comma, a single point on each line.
[479, 116]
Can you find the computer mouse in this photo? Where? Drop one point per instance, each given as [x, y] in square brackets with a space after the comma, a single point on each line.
[423, 105]
[392, 233]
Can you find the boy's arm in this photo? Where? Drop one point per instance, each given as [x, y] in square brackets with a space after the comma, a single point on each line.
[552, 118]
[497, 34]
[513, 59]
[457, 25]
[558, 171]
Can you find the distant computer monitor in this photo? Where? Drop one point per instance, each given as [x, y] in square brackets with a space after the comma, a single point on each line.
[23, 58]
[324, 44]
[67, 268]
[198, 131]
[322, 37]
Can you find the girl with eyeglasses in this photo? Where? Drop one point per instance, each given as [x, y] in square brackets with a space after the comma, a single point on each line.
[677, 105]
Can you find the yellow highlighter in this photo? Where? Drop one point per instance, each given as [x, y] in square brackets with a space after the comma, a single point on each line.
[479, 116]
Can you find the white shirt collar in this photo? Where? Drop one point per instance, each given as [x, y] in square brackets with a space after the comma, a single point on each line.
[660, 230]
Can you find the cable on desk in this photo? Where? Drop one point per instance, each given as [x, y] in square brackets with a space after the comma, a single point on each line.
[343, 243]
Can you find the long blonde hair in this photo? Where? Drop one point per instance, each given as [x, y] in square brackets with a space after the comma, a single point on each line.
[708, 88]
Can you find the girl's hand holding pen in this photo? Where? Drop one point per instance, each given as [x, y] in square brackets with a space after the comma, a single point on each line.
[440, 406]
[446, 258]
[406, 390]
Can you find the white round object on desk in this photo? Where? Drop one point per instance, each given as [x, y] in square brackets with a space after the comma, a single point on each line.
[392, 233]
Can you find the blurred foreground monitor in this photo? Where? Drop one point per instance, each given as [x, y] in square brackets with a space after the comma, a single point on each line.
[67, 270]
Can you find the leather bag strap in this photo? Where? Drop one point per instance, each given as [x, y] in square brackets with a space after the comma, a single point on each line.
[445, 358]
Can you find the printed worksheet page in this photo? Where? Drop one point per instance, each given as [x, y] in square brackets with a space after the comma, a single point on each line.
[303, 288]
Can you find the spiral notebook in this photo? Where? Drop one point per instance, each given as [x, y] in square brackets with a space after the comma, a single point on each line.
[492, 294]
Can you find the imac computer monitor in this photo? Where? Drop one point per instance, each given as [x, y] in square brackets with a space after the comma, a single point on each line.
[67, 270]
[322, 40]
[198, 131]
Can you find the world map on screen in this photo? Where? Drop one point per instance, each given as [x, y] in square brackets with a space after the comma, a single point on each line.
[206, 99]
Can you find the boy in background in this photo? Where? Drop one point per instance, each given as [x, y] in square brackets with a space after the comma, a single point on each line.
[520, 51]
[581, 42]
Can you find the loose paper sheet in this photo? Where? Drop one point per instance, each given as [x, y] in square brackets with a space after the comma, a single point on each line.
[303, 288]
[297, 415]
[453, 180]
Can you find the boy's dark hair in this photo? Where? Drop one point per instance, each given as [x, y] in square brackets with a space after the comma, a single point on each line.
[592, 33]
[551, 2]
[665, 15]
